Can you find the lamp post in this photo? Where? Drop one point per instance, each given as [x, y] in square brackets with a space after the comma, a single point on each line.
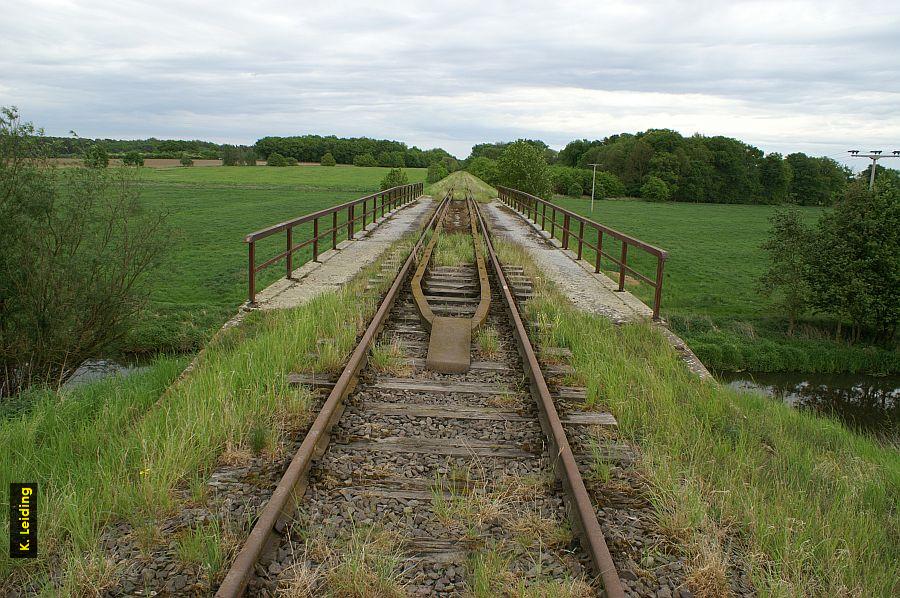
[593, 184]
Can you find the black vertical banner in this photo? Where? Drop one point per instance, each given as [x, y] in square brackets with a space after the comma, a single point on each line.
[23, 521]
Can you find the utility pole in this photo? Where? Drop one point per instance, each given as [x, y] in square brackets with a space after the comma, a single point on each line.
[874, 156]
[593, 183]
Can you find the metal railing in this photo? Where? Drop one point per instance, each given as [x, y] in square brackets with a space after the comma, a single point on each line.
[573, 226]
[370, 205]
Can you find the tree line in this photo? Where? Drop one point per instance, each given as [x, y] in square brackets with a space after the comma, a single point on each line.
[661, 164]
[359, 151]
[68, 147]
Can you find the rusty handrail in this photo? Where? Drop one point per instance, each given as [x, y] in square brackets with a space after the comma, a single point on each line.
[581, 509]
[536, 209]
[273, 518]
[389, 199]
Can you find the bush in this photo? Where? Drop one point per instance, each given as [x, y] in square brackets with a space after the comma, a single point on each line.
[522, 166]
[133, 158]
[436, 172]
[66, 296]
[186, 160]
[655, 189]
[485, 169]
[276, 159]
[328, 160]
[568, 181]
[248, 158]
[608, 185]
[394, 178]
[392, 159]
[96, 157]
[364, 160]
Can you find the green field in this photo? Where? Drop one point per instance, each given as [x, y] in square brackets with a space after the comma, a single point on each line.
[710, 295]
[204, 277]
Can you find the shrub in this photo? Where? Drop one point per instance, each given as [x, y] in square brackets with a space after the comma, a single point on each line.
[66, 296]
[607, 185]
[133, 158]
[276, 159]
[96, 157]
[248, 158]
[364, 160]
[485, 169]
[522, 166]
[655, 189]
[568, 181]
[392, 159]
[186, 160]
[436, 172]
[328, 160]
[394, 178]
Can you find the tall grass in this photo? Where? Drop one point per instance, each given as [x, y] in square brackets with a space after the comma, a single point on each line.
[118, 450]
[811, 504]
[454, 249]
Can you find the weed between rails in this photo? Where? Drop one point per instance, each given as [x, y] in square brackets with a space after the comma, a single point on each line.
[811, 503]
[113, 451]
[453, 249]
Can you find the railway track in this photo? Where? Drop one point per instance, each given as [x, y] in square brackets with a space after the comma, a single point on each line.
[429, 476]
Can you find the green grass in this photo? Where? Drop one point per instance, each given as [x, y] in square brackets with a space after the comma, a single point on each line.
[459, 181]
[709, 294]
[453, 249]
[204, 277]
[117, 449]
[810, 503]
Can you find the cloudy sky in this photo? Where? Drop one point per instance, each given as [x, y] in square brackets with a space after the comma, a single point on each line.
[820, 77]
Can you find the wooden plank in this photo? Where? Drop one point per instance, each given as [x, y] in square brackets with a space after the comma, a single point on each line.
[590, 418]
[413, 385]
[437, 411]
[449, 447]
[487, 366]
[562, 352]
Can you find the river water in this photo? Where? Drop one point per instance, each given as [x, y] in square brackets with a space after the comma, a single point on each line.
[866, 403]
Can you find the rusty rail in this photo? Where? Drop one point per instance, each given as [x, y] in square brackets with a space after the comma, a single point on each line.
[581, 509]
[274, 517]
[536, 209]
[383, 202]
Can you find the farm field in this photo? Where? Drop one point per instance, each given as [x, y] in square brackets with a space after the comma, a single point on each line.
[203, 279]
[710, 295]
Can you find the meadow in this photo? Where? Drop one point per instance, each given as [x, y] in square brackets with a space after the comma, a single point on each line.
[710, 292]
[203, 279]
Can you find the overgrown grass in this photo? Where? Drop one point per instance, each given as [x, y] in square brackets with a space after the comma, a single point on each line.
[460, 180]
[454, 249]
[204, 277]
[811, 504]
[116, 450]
[710, 294]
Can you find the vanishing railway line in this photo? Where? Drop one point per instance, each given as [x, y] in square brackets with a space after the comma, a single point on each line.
[463, 463]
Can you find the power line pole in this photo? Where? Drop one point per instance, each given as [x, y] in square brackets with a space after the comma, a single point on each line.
[874, 156]
[593, 183]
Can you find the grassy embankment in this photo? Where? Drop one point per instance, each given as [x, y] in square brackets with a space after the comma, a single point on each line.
[710, 296]
[204, 277]
[460, 180]
[811, 505]
[113, 450]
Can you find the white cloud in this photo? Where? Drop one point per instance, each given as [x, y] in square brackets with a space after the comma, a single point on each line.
[786, 76]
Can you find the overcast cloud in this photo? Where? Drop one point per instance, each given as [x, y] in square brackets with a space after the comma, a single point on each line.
[820, 77]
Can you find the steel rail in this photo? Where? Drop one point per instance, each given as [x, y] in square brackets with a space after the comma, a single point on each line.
[581, 509]
[273, 519]
[426, 314]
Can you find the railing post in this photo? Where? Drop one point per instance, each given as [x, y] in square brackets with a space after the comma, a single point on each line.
[599, 250]
[622, 266]
[290, 254]
[657, 296]
[552, 221]
[350, 221]
[363, 227]
[543, 216]
[580, 237]
[382, 204]
[334, 230]
[251, 281]
[565, 239]
[315, 242]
